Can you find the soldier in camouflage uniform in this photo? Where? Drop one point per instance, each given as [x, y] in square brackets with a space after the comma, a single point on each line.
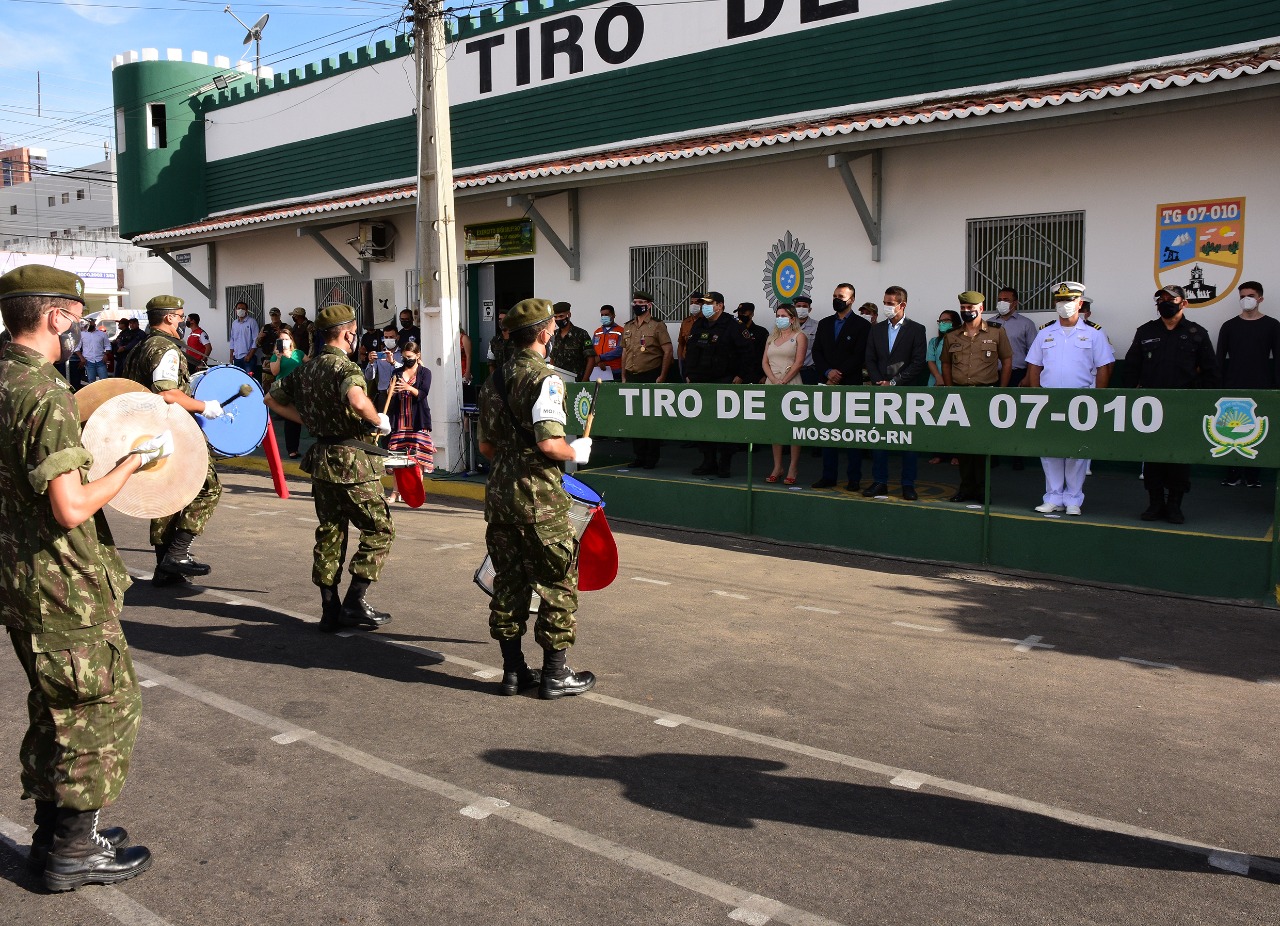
[571, 348]
[160, 364]
[328, 396]
[501, 350]
[62, 584]
[530, 541]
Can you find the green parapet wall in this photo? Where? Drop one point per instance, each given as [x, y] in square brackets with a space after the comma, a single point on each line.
[160, 187]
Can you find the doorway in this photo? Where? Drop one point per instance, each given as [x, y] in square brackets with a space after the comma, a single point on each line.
[495, 286]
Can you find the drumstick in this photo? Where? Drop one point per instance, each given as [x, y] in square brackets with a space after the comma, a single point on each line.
[591, 412]
[243, 391]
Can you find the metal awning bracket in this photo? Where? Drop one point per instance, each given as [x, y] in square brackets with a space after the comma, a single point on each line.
[871, 216]
[571, 253]
[359, 273]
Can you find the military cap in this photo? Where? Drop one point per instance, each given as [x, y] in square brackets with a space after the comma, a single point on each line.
[713, 296]
[807, 300]
[1068, 289]
[695, 296]
[561, 307]
[1173, 290]
[969, 297]
[299, 312]
[745, 307]
[527, 312]
[331, 316]
[172, 303]
[41, 280]
[274, 311]
[642, 295]
[1087, 302]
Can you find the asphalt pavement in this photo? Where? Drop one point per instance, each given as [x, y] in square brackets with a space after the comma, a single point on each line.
[779, 734]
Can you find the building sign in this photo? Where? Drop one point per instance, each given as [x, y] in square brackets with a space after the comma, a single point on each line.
[788, 270]
[1200, 247]
[498, 239]
[98, 273]
[1177, 426]
[605, 36]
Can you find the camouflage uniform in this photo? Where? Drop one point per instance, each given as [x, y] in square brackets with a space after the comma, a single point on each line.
[345, 483]
[529, 537]
[152, 365]
[60, 596]
[571, 350]
[503, 349]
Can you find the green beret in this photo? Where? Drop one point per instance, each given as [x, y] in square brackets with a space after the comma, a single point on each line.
[331, 316]
[969, 297]
[165, 302]
[526, 313]
[41, 280]
[642, 295]
[561, 307]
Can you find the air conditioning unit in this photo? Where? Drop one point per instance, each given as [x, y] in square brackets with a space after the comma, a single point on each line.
[375, 241]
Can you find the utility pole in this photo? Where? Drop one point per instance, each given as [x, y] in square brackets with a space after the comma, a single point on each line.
[437, 262]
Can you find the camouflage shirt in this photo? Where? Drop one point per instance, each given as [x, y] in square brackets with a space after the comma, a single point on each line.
[571, 350]
[524, 485]
[502, 350]
[52, 580]
[319, 391]
[159, 363]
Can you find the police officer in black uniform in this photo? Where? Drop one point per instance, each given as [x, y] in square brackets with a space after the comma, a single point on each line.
[1170, 352]
[756, 337]
[716, 353]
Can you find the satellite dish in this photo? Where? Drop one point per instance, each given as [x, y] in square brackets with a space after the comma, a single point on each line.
[255, 31]
[254, 34]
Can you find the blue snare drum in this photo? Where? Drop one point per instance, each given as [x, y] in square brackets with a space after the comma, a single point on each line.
[243, 425]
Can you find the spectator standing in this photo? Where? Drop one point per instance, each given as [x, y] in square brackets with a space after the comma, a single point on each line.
[285, 358]
[267, 338]
[896, 357]
[1068, 354]
[607, 343]
[977, 354]
[501, 350]
[646, 358]
[809, 325]
[784, 354]
[840, 353]
[948, 321]
[1248, 350]
[755, 336]
[303, 332]
[243, 340]
[571, 348]
[197, 346]
[95, 351]
[382, 364]
[695, 313]
[716, 353]
[1170, 352]
[410, 412]
[464, 355]
[128, 338]
[408, 330]
[1021, 332]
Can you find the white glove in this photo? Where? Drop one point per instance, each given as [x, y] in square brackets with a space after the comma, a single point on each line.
[384, 424]
[212, 409]
[157, 448]
[581, 449]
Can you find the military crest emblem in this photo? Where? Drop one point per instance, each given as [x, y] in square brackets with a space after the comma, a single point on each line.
[1235, 426]
[582, 406]
[788, 270]
[1200, 247]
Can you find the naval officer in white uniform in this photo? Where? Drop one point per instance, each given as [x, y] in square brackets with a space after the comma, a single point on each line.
[1067, 354]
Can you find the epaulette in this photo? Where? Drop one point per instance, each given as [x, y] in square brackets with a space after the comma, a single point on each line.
[1048, 323]
[994, 324]
[1093, 325]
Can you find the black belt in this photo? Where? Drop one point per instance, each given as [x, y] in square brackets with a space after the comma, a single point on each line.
[354, 443]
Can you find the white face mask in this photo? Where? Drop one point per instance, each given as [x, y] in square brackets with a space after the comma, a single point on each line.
[802, 312]
[1004, 308]
[1067, 309]
[1248, 303]
[695, 308]
[887, 312]
[388, 342]
[241, 313]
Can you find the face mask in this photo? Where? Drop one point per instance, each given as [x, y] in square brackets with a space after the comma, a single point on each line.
[944, 327]
[410, 361]
[1065, 309]
[968, 314]
[388, 342]
[1168, 309]
[70, 341]
[695, 308]
[638, 310]
[744, 321]
[1003, 308]
[888, 311]
[562, 323]
[803, 313]
[406, 323]
[1248, 303]
[606, 321]
[241, 313]
[838, 304]
[782, 322]
[708, 311]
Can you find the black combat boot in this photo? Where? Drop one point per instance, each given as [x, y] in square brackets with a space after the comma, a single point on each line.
[558, 680]
[356, 612]
[516, 674]
[177, 558]
[46, 819]
[81, 855]
[162, 577]
[330, 609]
[1173, 509]
[1156, 510]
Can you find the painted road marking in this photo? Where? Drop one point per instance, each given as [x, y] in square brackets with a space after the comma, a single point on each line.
[487, 673]
[284, 739]
[716, 591]
[483, 808]
[805, 607]
[1025, 646]
[1148, 664]
[917, 627]
[650, 581]
[907, 781]
[671, 720]
[147, 683]
[732, 897]
[109, 900]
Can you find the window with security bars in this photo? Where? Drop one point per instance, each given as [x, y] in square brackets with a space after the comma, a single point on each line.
[331, 290]
[670, 272]
[1027, 252]
[251, 294]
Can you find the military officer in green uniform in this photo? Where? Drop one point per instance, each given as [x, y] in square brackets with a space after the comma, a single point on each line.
[530, 541]
[328, 396]
[160, 364]
[501, 349]
[62, 585]
[571, 348]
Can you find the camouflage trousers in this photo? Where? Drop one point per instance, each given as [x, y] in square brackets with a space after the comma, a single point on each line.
[528, 560]
[194, 517]
[84, 708]
[363, 505]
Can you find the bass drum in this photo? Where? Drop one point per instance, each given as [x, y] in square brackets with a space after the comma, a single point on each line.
[243, 425]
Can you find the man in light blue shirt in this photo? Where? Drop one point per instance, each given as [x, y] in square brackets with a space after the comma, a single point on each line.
[244, 339]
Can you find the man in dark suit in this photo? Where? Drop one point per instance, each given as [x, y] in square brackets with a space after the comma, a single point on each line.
[839, 351]
[895, 357]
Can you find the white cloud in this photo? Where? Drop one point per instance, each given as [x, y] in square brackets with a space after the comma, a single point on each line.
[100, 15]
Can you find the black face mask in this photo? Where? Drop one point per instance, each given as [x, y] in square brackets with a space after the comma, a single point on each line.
[1168, 309]
[639, 310]
[562, 323]
[838, 304]
[968, 316]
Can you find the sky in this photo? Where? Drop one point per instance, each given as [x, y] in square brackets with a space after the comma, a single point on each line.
[70, 43]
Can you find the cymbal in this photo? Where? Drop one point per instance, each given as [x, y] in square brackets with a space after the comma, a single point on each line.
[160, 488]
[89, 398]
